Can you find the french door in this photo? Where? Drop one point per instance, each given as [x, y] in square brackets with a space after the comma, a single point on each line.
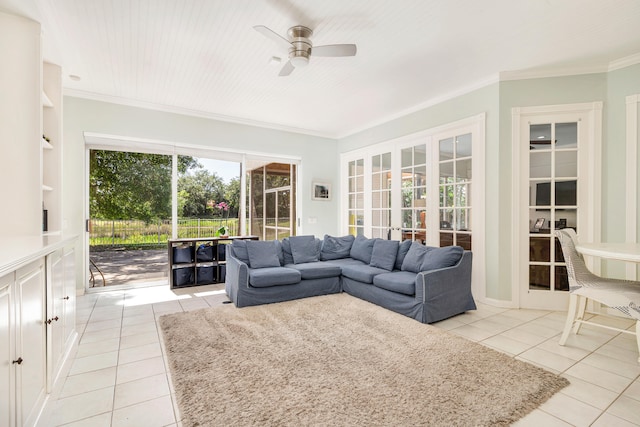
[557, 187]
[415, 188]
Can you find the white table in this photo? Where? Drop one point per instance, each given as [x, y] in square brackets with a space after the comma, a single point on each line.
[629, 252]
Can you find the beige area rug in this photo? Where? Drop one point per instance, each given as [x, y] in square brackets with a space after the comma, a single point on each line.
[339, 361]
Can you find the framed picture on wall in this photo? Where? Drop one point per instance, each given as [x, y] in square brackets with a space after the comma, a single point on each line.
[539, 224]
[321, 191]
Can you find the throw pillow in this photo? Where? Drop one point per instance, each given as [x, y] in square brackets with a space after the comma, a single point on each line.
[362, 248]
[336, 247]
[414, 258]
[384, 254]
[402, 252]
[304, 249]
[286, 252]
[436, 258]
[240, 250]
[263, 254]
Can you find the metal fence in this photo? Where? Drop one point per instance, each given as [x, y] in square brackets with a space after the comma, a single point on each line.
[156, 233]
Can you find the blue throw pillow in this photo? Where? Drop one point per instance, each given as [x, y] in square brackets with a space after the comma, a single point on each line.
[240, 250]
[384, 254]
[402, 252]
[336, 247]
[304, 249]
[414, 258]
[263, 254]
[286, 252]
[436, 258]
[362, 248]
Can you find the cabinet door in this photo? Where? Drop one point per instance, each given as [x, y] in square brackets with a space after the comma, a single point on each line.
[7, 377]
[30, 341]
[69, 298]
[55, 317]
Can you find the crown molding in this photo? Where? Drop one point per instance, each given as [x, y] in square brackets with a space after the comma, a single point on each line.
[624, 62]
[423, 105]
[191, 113]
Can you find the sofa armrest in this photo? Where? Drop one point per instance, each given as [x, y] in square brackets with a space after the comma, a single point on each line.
[447, 291]
[237, 277]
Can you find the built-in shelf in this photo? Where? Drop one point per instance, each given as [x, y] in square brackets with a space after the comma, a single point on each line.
[46, 102]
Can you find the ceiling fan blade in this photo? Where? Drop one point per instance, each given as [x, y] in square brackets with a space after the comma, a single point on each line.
[334, 50]
[270, 34]
[287, 69]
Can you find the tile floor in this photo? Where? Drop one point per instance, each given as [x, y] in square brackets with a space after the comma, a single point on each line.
[119, 375]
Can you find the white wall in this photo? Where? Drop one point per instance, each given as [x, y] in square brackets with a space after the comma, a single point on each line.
[319, 157]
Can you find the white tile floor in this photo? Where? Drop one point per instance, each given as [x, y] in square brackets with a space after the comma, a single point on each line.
[119, 374]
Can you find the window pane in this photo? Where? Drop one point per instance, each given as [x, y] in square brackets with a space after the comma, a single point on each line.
[540, 165]
[446, 172]
[566, 163]
[386, 161]
[270, 199]
[540, 136]
[446, 149]
[420, 154]
[406, 157]
[566, 135]
[463, 170]
[539, 249]
[463, 145]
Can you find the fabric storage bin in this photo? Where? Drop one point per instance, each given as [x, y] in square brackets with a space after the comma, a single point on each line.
[222, 252]
[205, 275]
[183, 276]
[205, 252]
[182, 254]
[223, 273]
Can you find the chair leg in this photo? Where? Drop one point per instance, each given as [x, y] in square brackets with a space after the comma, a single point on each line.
[571, 317]
[582, 306]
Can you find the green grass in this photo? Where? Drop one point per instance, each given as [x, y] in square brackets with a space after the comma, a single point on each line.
[138, 233]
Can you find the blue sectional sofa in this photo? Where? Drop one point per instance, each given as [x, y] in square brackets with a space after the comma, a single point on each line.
[428, 284]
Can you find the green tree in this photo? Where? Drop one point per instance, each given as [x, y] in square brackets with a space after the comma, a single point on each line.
[125, 185]
[196, 191]
[232, 197]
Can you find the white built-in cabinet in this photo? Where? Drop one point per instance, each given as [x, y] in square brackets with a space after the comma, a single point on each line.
[37, 330]
[24, 341]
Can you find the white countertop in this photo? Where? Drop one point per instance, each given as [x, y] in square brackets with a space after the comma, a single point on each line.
[621, 251]
[18, 251]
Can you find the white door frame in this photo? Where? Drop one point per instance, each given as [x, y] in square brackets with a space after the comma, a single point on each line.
[589, 117]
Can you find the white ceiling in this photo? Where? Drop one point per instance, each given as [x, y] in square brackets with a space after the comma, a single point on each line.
[202, 57]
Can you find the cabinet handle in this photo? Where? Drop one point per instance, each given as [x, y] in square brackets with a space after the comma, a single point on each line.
[56, 318]
[48, 321]
[18, 361]
[67, 297]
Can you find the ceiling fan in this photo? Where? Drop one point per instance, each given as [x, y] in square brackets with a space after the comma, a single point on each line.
[300, 47]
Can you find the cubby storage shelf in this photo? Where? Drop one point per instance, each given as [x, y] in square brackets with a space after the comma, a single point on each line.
[197, 262]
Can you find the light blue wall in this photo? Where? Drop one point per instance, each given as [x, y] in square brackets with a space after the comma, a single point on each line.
[319, 156]
[497, 101]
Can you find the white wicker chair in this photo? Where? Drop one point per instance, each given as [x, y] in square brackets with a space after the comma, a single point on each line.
[622, 295]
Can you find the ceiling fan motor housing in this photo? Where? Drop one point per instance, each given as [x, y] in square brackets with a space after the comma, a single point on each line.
[300, 45]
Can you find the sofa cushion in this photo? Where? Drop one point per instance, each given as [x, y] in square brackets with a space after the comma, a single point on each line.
[286, 251]
[361, 249]
[362, 273]
[273, 276]
[344, 261]
[316, 270]
[403, 248]
[240, 250]
[413, 260]
[264, 253]
[303, 249]
[403, 282]
[384, 254]
[436, 258]
[336, 247]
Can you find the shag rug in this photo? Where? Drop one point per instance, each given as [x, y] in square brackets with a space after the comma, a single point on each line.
[340, 361]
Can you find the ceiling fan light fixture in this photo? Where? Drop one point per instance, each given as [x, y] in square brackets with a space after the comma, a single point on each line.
[299, 61]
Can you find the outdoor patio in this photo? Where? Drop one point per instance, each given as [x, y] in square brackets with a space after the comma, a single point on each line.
[130, 267]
